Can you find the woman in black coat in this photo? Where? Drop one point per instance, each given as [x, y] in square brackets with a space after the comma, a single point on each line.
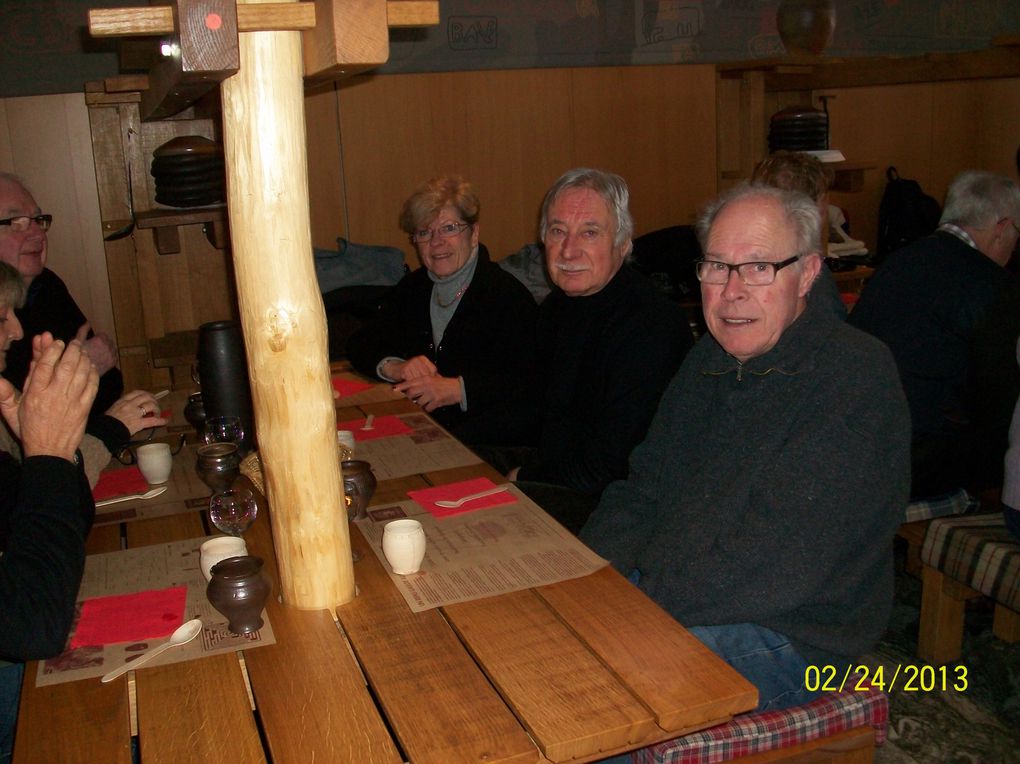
[456, 336]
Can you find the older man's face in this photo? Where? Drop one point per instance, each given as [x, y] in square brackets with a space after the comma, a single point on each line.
[25, 250]
[749, 320]
[579, 251]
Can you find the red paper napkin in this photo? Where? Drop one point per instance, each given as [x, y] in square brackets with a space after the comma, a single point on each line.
[130, 617]
[382, 427]
[427, 497]
[350, 386]
[119, 483]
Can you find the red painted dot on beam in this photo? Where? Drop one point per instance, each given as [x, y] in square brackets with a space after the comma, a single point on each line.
[213, 21]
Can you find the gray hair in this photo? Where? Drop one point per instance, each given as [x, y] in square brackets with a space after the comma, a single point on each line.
[12, 287]
[613, 190]
[979, 199]
[801, 213]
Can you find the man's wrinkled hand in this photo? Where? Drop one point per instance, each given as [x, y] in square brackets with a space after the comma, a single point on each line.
[99, 347]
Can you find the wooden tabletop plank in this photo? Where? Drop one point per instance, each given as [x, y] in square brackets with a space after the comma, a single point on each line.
[103, 538]
[310, 691]
[456, 474]
[50, 727]
[439, 704]
[571, 703]
[681, 680]
[196, 711]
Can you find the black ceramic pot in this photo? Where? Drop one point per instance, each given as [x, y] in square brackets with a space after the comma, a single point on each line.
[223, 373]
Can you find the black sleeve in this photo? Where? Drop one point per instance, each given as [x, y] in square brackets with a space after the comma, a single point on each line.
[388, 333]
[110, 430]
[43, 561]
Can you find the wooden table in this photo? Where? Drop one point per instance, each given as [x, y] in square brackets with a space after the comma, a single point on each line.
[574, 671]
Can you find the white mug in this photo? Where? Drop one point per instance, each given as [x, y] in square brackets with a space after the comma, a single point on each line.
[155, 461]
[403, 545]
[219, 548]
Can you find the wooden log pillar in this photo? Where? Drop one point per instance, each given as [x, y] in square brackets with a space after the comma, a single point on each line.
[283, 319]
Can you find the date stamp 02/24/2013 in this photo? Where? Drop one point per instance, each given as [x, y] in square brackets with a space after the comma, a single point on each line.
[907, 677]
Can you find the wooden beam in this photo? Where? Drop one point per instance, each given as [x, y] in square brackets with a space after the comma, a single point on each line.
[159, 20]
[412, 13]
[201, 55]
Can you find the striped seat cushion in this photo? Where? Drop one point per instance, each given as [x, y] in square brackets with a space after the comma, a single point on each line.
[747, 734]
[955, 503]
[979, 552]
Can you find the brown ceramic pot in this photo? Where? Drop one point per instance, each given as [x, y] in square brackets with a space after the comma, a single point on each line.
[239, 589]
[359, 485]
[218, 465]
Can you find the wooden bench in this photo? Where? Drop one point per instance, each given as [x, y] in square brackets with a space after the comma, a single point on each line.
[838, 727]
[962, 558]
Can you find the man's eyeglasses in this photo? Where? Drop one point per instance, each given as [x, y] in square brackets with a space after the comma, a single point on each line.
[752, 274]
[22, 222]
[447, 231]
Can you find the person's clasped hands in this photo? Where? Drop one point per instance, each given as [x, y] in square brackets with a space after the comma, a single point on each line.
[421, 383]
[50, 416]
[100, 348]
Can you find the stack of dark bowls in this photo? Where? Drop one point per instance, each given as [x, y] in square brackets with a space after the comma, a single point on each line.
[188, 172]
[799, 128]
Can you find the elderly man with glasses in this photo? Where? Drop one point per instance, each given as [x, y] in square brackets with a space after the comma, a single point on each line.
[761, 507]
[49, 307]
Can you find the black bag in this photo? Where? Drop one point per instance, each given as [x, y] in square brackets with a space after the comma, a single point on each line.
[905, 214]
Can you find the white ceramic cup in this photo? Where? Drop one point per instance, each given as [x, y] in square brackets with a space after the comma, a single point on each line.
[219, 548]
[155, 461]
[346, 438]
[403, 545]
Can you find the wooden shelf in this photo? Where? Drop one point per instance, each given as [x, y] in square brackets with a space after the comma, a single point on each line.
[165, 222]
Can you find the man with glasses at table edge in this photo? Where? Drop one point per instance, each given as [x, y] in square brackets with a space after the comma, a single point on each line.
[49, 307]
[761, 508]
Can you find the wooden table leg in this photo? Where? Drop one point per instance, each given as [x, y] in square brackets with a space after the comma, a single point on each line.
[940, 636]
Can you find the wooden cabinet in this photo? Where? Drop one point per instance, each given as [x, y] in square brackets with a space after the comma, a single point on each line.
[169, 268]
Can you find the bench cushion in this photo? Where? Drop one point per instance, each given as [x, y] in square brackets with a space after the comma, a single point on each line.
[955, 503]
[977, 551]
[748, 734]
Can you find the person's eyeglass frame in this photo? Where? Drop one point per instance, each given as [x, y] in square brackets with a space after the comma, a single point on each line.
[43, 221]
[740, 267]
[445, 231]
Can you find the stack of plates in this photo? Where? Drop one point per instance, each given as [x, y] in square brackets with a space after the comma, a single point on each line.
[799, 128]
[188, 172]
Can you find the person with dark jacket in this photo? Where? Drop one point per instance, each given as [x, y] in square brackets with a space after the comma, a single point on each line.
[608, 344]
[950, 312]
[760, 509]
[48, 306]
[46, 506]
[457, 336]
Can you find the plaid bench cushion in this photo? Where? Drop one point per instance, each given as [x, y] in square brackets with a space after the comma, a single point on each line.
[955, 503]
[747, 734]
[979, 552]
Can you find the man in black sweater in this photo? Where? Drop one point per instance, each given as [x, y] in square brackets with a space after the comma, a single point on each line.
[608, 344]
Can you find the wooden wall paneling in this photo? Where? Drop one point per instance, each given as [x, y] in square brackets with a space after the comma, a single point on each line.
[129, 315]
[6, 151]
[387, 132]
[974, 126]
[325, 169]
[513, 140]
[890, 125]
[211, 287]
[655, 126]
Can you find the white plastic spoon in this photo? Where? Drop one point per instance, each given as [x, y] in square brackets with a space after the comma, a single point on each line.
[150, 494]
[368, 423]
[470, 497]
[186, 632]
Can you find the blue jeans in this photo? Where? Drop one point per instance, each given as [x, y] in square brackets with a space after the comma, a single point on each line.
[10, 694]
[764, 657]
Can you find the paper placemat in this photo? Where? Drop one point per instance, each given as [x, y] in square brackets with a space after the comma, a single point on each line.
[426, 447]
[481, 554]
[161, 566]
[185, 493]
[382, 427]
